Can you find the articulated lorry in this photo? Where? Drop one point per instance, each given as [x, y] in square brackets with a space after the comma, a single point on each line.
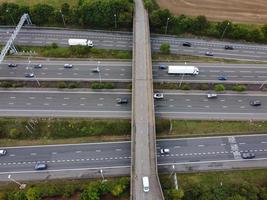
[82, 42]
[190, 70]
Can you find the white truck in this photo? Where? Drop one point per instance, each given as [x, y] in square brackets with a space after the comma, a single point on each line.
[82, 42]
[145, 184]
[190, 70]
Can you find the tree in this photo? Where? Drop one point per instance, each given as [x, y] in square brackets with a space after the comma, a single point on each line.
[158, 20]
[224, 28]
[174, 194]
[200, 24]
[165, 48]
[264, 31]
[42, 14]
[236, 197]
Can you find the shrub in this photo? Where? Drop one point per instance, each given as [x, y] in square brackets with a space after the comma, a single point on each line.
[165, 48]
[239, 88]
[219, 87]
[61, 85]
[73, 85]
[102, 86]
[5, 84]
[54, 45]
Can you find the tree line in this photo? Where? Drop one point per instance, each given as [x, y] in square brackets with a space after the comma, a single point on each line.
[86, 14]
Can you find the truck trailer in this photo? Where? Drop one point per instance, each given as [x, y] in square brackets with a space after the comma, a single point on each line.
[190, 70]
[82, 42]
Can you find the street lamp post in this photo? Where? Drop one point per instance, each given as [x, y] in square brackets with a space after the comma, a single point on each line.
[225, 30]
[103, 179]
[63, 19]
[21, 185]
[115, 18]
[182, 78]
[99, 71]
[167, 23]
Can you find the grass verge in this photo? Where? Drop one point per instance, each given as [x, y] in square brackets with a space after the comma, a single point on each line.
[41, 131]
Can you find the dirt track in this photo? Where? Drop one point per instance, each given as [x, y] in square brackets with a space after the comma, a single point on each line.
[244, 11]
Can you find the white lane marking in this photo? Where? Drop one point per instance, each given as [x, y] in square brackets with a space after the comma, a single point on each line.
[66, 98]
[263, 142]
[48, 97]
[171, 106]
[12, 155]
[101, 98]
[46, 104]
[241, 143]
[99, 104]
[82, 98]
[33, 154]
[81, 104]
[54, 153]
[10, 103]
[223, 144]
[12, 97]
[189, 106]
[245, 71]
[78, 151]
[64, 104]
[171, 99]
[225, 106]
[207, 106]
[98, 150]
[177, 147]
[118, 150]
[239, 100]
[201, 145]
[31, 97]
[222, 100]
[242, 106]
[188, 100]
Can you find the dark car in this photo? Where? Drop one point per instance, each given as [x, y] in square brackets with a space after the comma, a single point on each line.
[248, 155]
[38, 66]
[228, 47]
[222, 78]
[96, 70]
[162, 66]
[29, 75]
[40, 166]
[187, 44]
[122, 101]
[255, 102]
[12, 65]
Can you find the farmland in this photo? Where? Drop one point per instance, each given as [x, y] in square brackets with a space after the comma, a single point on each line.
[245, 11]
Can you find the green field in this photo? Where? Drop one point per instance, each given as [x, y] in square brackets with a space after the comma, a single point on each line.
[56, 3]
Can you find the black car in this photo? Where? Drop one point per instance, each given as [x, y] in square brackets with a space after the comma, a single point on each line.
[255, 103]
[248, 155]
[122, 101]
[187, 44]
[12, 65]
[228, 47]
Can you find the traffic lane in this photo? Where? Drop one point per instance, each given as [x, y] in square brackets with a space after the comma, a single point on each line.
[200, 103]
[50, 100]
[66, 152]
[61, 164]
[58, 71]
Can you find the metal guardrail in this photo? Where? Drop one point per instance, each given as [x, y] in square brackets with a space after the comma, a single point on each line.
[9, 44]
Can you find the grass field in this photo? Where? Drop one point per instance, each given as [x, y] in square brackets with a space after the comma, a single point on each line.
[56, 3]
[245, 11]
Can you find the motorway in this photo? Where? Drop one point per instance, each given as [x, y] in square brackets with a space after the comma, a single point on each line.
[123, 41]
[121, 72]
[20, 161]
[89, 103]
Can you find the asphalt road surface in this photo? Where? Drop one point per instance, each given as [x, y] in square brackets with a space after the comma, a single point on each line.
[123, 41]
[20, 161]
[88, 103]
[121, 72]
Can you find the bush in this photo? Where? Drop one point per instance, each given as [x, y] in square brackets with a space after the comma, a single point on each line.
[73, 85]
[219, 87]
[6, 84]
[165, 48]
[54, 45]
[61, 85]
[239, 88]
[102, 86]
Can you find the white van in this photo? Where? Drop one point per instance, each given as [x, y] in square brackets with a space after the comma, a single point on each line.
[145, 184]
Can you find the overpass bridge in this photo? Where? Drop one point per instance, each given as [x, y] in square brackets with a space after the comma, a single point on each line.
[144, 160]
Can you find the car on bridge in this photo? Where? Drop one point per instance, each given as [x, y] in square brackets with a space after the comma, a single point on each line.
[164, 151]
